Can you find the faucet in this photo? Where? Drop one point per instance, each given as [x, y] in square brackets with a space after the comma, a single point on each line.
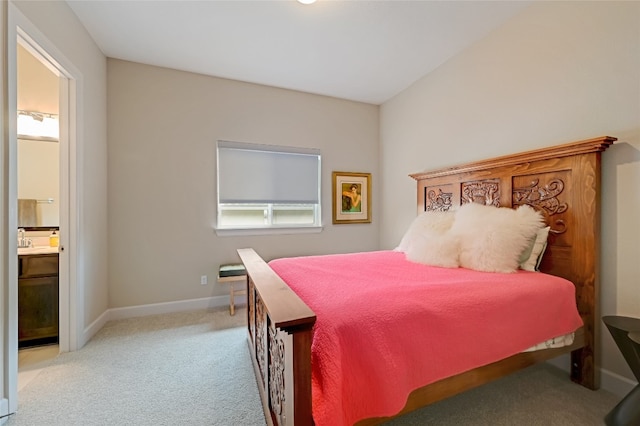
[23, 242]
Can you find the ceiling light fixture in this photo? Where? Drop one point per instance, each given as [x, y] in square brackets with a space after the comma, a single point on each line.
[38, 126]
[306, 1]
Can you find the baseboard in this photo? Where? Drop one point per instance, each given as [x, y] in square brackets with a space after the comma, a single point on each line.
[93, 328]
[4, 410]
[214, 302]
[609, 381]
[615, 383]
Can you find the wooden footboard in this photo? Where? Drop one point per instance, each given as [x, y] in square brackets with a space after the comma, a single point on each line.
[279, 327]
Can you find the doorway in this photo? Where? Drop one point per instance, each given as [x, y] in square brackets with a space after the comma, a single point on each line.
[39, 47]
[29, 46]
[21, 32]
[38, 181]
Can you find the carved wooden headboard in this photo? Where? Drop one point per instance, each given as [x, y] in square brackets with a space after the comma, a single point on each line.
[562, 182]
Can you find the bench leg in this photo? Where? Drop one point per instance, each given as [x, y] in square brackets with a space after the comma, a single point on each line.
[232, 306]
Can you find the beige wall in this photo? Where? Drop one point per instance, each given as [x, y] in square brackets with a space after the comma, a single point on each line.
[60, 26]
[37, 85]
[163, 126]
[559, 72]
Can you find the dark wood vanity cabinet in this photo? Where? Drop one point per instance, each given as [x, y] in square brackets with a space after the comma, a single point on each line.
[37, 299]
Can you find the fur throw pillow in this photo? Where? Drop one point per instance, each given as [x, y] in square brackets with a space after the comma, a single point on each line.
[435, 249]
[424, 225]
[491, 239]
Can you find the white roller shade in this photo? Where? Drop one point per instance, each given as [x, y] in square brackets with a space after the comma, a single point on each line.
[253, 173]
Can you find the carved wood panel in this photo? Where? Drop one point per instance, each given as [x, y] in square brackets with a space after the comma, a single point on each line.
[481, 191]
[251, 311]
[261, 339]
[277, 387]
[550, 194]
[438, 198]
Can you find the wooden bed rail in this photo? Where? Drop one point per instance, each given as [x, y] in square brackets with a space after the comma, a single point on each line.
[279, 326]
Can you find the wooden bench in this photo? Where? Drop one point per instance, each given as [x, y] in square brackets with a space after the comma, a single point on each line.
[231, 274]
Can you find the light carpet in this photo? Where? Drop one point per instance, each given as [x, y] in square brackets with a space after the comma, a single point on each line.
[178, 369]
[194, 368]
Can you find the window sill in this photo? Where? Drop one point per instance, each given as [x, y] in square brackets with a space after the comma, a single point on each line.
[233, 232]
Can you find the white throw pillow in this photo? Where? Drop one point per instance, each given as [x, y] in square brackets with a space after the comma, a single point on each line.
[435, 250]
[491, 239]
[426, 224]
[534, 255]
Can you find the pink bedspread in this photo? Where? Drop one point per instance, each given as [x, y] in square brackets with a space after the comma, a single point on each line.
[386, 326]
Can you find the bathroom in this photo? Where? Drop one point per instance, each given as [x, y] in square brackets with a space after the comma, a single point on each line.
[38, 171]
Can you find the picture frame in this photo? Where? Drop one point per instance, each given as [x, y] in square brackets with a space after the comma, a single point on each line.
[351, 195]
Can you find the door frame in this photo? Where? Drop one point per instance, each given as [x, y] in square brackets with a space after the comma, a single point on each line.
[71, 312]
[63, 278]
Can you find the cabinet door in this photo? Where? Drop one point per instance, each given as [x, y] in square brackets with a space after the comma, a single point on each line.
[37, 308]
[37, 265]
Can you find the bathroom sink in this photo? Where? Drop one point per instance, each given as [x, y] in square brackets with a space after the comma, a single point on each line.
[37, 250]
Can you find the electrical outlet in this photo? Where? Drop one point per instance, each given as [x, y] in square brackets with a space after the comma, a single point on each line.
[203, 280]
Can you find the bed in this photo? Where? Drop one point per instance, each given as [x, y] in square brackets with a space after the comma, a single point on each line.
[561, 182]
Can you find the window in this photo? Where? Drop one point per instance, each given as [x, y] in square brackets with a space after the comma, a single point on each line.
[267, 187]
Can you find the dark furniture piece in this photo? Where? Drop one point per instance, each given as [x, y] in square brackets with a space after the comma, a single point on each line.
[37, 299]
[626, 334]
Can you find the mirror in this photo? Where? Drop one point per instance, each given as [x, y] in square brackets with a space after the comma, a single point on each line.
[38, 153]
[38, 184]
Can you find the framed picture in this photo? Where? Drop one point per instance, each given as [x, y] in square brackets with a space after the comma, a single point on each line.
[351, 197]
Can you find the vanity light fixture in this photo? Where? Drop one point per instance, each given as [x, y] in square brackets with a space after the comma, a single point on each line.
[38, 126]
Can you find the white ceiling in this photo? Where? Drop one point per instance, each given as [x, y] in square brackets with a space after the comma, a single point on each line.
[359, 50]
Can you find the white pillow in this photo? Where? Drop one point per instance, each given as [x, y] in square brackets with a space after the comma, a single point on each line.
[426, 223]
[434, 249]
[530, 260]
[492, 238]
